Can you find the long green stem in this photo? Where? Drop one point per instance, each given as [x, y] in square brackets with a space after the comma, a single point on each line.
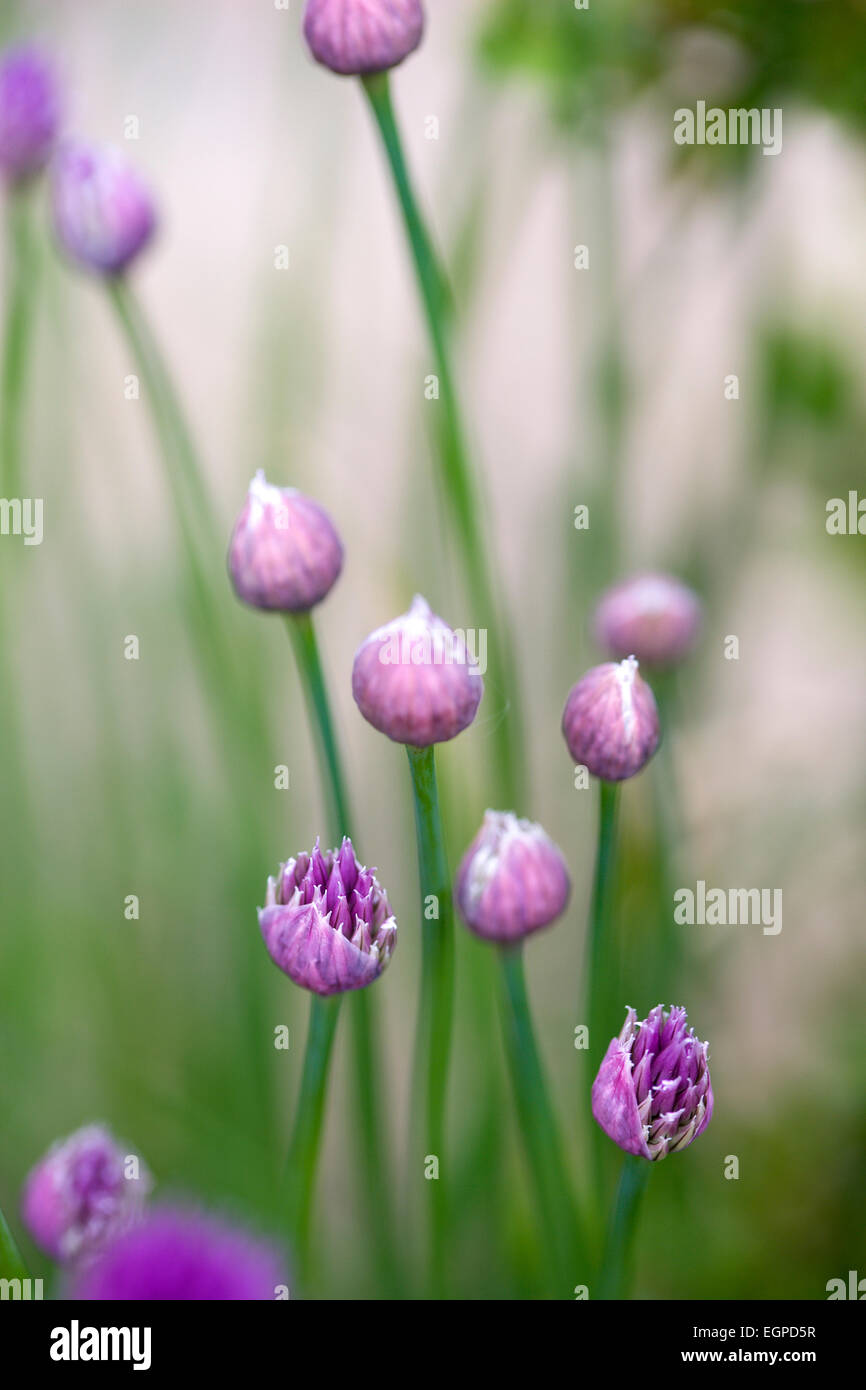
[600, 988]
[362, 1014]
[433, 1037]
[16, 334]
[458, 480]
[12, 1266]
[306, 1135]
[616, 1266]
[539, 1129]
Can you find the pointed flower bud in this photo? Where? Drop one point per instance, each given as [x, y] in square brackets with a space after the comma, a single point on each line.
[327, 923]
[178, 1255]
[103, 213]
[653, 616]
[415, 680]
[29, 112]
[652, 1095]
[610, 722]
[285, 553]
[362, 36]
[512, 880]
[79, 1195]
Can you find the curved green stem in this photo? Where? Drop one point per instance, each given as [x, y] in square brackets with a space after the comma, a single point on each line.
[362, 1014]
[433, 1036]
[457, 477]
[539, 1129]
[616, 1266]
[12, 1265]
[306, 1136]
[16, 335]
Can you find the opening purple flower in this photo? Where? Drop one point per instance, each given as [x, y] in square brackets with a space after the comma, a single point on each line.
[652, 1095]
[327, 922]
[86, 1189]
[178, 1255]
[285, 553]
[610, 721]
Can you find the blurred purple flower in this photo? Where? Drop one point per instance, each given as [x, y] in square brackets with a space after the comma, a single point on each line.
[652, 1095]
[285, 553]
[512, 880]
[414, 679]
[651, 616]
[610, 721]
[327, 923]
[78, 1196]
[29, 111]
[180, 1255]
[104, 215]
[362, 36]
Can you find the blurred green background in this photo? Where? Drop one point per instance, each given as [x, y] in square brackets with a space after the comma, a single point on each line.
[604, 387]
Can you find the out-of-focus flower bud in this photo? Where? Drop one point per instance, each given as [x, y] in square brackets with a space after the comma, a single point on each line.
[285, 553]
[610, 722]
[652, 1095]
[179, 1255]
[352, 37]
[652, 616]
[104, 215]
[327, 923]
[29, 112]
[415, 680]
[79, 1195]
[512, 880]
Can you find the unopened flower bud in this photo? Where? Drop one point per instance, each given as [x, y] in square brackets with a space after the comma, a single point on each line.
[610, 722]
[652, 1095]
[512, 880]
[285, 553]
[81, 1194]
[652, 616]
[414, 679]
[327, 923]
[352, 37]
[103, 213]
[29, 112]
[181, 1255]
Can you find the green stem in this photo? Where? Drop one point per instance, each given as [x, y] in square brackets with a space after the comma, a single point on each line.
[16, 335]
[600, 987]
[457, 476]
[616, 1266]
[362, 1014]
[538, 1127]
[12, 1265]
[306, 1135]
[433, 1037]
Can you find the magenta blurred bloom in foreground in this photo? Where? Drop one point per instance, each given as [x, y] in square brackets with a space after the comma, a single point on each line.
[652, 1095]
[352, 37]
[610, 722]
[103, 213]
[652, 616]
[512, 880]
[285, 553]
[29, 111]
[178, 1255]
[85, 1190]
[415, 679]
[327, 923]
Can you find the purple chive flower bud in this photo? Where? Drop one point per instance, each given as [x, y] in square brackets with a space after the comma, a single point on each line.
[610, 722]
[327, 922]
[103, 213]
[362, 36]
[29, 112]
[415, 680]
[78, 1196]
[178, 1255]
[512, 879]
[652, 1095]
[285, 553]
[653, 616]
